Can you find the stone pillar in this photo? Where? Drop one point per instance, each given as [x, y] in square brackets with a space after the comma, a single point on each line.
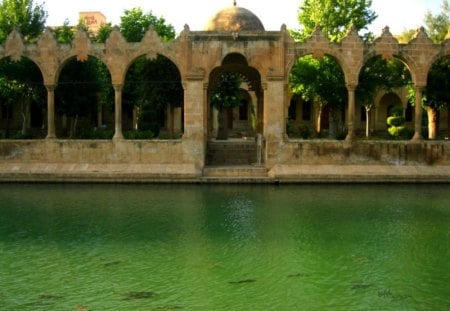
[418, 114]
[118, 111]
[274, 126]
[195, 120]
[51, 134]
[351, 113]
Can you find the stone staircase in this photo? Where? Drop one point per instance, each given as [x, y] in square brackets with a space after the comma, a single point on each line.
[231, 152]
[235, 174]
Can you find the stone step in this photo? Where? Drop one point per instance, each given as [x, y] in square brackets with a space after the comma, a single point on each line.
[231, 153]
[244, 171]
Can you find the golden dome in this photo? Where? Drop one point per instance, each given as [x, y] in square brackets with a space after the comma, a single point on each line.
[234, 19]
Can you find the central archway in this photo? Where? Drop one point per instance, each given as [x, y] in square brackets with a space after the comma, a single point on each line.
[244, 122]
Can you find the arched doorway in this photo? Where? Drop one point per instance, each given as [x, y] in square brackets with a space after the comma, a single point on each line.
[244, 122]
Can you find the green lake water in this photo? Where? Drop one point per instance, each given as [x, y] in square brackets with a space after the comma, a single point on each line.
[224, 247]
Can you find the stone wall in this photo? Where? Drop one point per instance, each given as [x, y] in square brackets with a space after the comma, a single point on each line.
[313, 152]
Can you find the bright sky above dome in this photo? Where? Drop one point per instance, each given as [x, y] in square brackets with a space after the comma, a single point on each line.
[397, 14]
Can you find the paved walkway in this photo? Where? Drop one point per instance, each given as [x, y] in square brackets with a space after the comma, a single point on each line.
[67, 172]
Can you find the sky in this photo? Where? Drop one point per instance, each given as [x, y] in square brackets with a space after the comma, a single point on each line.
[397, 14]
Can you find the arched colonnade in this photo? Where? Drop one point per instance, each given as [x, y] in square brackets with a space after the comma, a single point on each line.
[197, 53]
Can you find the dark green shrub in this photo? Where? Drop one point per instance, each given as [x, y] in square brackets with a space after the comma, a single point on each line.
[139, 134]
[305, 132]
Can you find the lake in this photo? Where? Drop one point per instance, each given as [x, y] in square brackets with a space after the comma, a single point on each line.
[224, 247]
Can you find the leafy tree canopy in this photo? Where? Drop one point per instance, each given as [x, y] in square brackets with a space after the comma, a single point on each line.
[334, 17]
[227, 94]
[439, 24]
[379, 74]
[135, 23]
[27, 17]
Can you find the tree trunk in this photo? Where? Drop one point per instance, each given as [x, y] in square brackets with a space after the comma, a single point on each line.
[26, 105]
[172, 121]
[319, 120]
[73, 127]
[222, 120]
[432, 122]
[8, 118]
[333, 121]
[448, 122]
[367, 122]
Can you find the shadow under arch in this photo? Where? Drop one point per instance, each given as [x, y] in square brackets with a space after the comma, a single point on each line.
[382, 84]
[244, 123]
[251, 83]
[320, 83]
[153, 99]
[23, 100]
[84, 100]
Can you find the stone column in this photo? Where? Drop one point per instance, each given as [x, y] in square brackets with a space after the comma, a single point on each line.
[118, 111]
[274, 126]
[51, 134]
[195, 120]
[418, 114]
[351, 113]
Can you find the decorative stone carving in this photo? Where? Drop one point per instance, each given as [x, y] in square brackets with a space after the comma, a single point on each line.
[319, 43]
[47, 48]
[386, 45]
[151, 38]
[14, 46]
[81, 44]
[115, 44]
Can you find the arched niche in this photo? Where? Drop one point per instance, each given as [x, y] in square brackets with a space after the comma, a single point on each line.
[321, 83]
[23, 99]
[153, 99]
[251, 89]
[84, 100]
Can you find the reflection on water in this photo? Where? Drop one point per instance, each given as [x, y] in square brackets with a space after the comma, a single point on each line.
[224, 247]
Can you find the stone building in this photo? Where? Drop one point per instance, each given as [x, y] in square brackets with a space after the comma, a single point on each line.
[93, 20]
[234, 41]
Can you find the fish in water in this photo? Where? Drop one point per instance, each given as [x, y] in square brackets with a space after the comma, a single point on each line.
[243, 281]
[361, 286]
[112, 263]
[138, 295]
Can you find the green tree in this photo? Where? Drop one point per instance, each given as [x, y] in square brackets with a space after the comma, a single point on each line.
[103, 33]
[21, 80]
[226, 95]
[25, 16]
[377, 75]
[334, 17]
[322, 78]
[439, 24]
[436, 94]
[135, 23]
[321, 81]
[151, 86]
[20, 85]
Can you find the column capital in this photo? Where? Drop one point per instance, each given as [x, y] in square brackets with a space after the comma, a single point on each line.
[50, 87]
[419, 88]
[351, 87]
[118, 87]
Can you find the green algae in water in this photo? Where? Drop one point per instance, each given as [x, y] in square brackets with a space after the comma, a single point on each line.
[224, 247]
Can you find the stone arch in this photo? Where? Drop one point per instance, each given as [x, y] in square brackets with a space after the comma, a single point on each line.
[93, 107]
[170, 117]
[66, 58]
[237, 63]
[27, 118]
[323, 117]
